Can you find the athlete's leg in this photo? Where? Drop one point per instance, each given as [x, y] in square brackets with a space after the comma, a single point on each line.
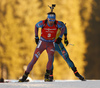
[52, 63]
[63, 52]
[49, 71]
[50, 51]
[39, 49]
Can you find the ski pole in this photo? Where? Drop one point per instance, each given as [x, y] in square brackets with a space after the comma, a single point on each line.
[71, 44]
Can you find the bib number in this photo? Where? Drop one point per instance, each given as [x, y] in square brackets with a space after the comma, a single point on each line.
[49, 35]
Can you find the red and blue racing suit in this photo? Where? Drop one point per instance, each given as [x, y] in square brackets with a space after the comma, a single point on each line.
[46, 42]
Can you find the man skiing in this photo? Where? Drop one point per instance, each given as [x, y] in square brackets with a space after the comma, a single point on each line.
[49, 28]
[59, 47]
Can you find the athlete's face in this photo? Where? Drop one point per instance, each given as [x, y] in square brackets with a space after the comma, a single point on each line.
[51, 21]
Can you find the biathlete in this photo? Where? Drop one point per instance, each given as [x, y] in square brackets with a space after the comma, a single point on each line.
[49, 28]
[59, 47]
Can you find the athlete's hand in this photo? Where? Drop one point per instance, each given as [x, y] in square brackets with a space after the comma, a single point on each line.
[58, 41]
[66, 41]
[36, 39]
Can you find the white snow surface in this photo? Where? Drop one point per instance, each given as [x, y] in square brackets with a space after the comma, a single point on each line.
[54, 84]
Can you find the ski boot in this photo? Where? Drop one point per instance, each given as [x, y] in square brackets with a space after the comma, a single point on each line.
[77, 74]
[23, 79]
[1, 80]
[48, 76]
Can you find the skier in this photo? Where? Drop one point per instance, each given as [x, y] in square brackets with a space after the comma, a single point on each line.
[49, 27]
[1, 80]
[59, 47]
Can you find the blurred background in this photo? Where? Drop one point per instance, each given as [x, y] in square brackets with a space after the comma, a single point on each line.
[17, 44]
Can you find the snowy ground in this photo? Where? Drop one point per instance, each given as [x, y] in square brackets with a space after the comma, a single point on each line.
[55, 84]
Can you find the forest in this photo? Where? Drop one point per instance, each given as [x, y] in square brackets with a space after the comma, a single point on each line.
[17, 37]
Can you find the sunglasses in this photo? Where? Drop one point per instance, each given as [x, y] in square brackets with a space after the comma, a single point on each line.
[52, 20]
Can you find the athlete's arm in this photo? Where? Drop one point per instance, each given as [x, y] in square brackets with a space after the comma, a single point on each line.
[65, 36]
[62, 27]
[37, 26]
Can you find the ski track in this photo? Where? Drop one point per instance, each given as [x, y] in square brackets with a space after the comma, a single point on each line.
[55, 84]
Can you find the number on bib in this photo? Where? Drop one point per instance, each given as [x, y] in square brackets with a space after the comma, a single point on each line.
[49, 35]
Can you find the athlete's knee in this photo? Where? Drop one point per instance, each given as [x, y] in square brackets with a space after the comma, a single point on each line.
[37, 54]
[65, 53]
[52, 52]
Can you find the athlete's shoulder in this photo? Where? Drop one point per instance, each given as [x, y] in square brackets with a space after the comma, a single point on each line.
[40, 23]
[60, 24]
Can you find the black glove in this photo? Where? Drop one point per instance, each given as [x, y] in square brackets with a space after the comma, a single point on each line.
[36, 39]
[66, 41]
[58, 41]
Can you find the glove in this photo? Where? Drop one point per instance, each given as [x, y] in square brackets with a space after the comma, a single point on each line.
[36, 39]
[58, 41]
[66, 41]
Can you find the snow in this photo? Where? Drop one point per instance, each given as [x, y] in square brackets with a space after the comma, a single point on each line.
[55, 84]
